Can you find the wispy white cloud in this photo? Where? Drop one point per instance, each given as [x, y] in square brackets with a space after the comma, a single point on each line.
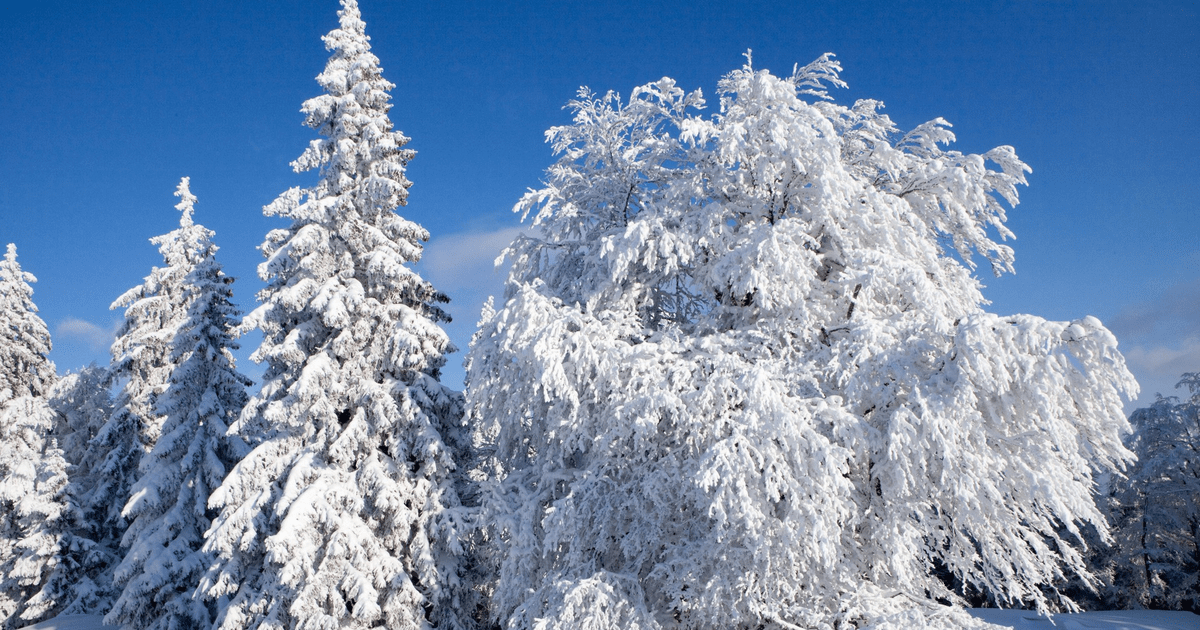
[93, 336]
[1160, 339]
[462, 266]
[1159, 366]
[465, 262]
[1166, 360]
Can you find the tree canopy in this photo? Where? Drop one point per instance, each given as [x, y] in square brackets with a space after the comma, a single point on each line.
[742, 374]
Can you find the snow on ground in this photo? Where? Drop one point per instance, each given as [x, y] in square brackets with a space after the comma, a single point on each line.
[1109, 620]
[72, 622]
[1017, 619]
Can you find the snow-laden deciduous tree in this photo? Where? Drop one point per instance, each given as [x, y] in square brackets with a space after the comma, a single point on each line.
[346, 513]
[168, 511]
[34, 504]
[742, 376]
[1155, 509]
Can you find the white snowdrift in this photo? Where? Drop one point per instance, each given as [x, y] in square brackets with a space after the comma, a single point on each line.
[1106, 620]
[72, 622]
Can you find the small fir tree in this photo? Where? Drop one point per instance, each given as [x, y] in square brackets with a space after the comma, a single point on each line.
[168, 510]
[84, 403]
[346, 512]
[743, 378]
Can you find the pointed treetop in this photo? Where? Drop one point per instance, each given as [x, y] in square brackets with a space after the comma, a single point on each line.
[15, 276]
[186, 201]
[351, 18]
[350, 37]
[352, 60]
[25, 367]
[361, 159]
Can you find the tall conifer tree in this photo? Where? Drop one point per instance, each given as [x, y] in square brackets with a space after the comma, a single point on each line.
[168, 510]
[346, 513]
[25, 366]
[141, 353]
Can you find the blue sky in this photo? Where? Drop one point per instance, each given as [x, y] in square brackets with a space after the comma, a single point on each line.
[109, 104]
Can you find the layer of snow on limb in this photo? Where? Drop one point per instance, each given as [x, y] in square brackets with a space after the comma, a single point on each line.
[71, 622]
[1106, 620]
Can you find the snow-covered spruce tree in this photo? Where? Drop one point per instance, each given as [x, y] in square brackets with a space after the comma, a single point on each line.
[141, 353]
[34, 505]
[743, 378]
[346, 513]
[1155, 509]
[168, 511]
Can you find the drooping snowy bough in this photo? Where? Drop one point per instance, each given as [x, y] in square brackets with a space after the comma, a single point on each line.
[742, 376]
[346, 513]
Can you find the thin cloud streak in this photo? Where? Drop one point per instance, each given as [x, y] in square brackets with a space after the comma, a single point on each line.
[466, 263]
[95, 337]
[463, 266]
[1158, 367]
[1160, 340]
[1176, 313]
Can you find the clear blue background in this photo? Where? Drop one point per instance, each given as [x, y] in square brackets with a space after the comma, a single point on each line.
[107, 105]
